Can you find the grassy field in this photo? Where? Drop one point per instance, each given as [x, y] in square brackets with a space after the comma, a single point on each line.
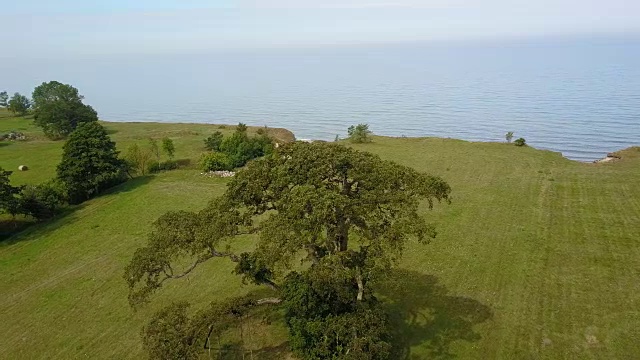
[537, 257]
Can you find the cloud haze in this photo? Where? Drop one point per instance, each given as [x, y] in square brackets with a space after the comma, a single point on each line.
[41, 28]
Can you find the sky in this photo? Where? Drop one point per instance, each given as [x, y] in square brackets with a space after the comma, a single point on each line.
[63, 28]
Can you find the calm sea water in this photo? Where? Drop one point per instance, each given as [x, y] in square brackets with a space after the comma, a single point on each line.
[579, 97]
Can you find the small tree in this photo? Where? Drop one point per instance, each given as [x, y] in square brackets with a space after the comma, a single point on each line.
[520, 142]
[19, 104]
[154, 148]
[138, 159]
[89, 163]
[509, 136]
[4, 98]
[360, 133]
[212, 143]
[168, 147]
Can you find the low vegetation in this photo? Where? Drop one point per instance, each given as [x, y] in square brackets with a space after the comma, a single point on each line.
[520, 142]
[509, 136]
[359, 134]
[228, 153]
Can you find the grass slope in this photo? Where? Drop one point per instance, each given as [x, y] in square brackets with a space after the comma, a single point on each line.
[537, 257]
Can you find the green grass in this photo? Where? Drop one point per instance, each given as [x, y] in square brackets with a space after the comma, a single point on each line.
[42, 155]
[537, 257]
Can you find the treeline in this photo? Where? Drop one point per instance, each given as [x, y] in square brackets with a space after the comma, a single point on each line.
[90, 162]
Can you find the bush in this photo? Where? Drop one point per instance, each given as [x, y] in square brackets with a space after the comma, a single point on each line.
[241, 148]
[212, 143]
[520, 142]
[43, 201]
[216, 161]
[509, 136]
[157, 166]
[359, 133]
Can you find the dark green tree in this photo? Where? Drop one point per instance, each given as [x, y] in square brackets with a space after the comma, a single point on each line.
[89, 163]
[9, 195]
[351, 214]
[19, 104]
[4, 99]
[43, 201]
[53, 91]
[59, 109]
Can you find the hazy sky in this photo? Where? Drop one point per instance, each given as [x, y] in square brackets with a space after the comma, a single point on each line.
[46, 28]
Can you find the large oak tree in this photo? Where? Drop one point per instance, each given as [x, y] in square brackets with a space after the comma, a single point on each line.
[348, 214]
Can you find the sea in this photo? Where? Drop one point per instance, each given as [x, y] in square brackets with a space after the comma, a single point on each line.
[578, 96]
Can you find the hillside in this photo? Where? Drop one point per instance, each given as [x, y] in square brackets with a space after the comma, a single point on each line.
[536, 257]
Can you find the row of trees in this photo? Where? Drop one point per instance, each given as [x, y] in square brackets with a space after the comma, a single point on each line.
[90, 164]
[17, 104]
[346, 215]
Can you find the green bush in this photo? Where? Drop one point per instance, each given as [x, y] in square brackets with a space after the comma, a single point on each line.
[43, 201]
[520, 142]
[157, 166]
[241, 148]
[216, 161]
[359, 133]
[212, 143]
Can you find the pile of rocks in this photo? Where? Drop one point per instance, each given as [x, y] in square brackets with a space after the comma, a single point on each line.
[13, 136]
[610, 157]
[219, 173]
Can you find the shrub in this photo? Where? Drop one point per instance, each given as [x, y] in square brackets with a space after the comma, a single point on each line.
[241, 148]
[43, 201]
[520, 142]
[216, 161]
[212, 143]
[157, 166]
[359, 133]
[509, 136]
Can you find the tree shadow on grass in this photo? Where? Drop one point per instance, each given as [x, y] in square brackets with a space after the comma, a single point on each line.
[234, 351]
[423, 313]
[31, 229]
[129, 185]
[24, 229]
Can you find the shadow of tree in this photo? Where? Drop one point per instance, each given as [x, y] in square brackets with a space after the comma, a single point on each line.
[234, 351]
[22, 228]
[423, 313]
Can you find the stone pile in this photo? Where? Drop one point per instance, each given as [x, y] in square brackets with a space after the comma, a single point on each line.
[219, 173]
[13, 136]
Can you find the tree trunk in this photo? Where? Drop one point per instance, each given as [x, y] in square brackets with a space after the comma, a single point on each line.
[360, 285]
